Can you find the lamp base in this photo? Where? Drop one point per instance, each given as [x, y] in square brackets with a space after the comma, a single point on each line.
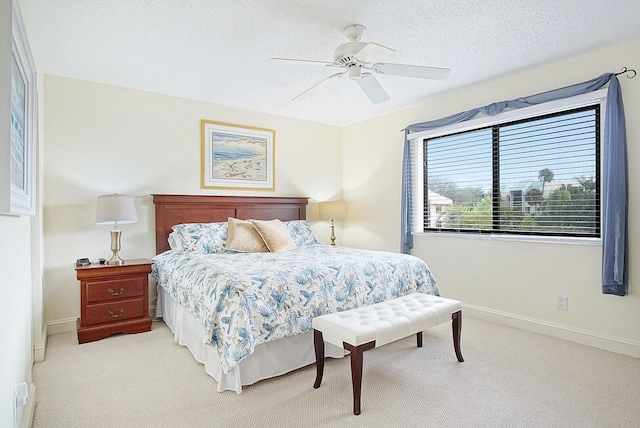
[333, 235]
[115, 247]
[115, 260]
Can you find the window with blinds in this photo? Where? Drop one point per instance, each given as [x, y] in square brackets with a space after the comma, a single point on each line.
[538, 176]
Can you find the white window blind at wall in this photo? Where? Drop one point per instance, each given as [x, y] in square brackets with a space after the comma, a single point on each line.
[416, 184]
[549, 174]
[459, 175]
[537, 176]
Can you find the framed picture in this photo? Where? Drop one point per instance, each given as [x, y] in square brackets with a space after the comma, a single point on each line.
[17, 193]
[237, 156]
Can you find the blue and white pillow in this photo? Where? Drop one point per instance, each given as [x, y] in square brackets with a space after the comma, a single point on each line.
[301, 233]
[201, 237]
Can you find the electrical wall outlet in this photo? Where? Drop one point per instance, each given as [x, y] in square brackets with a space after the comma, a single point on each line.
[20, 395]
[561, 303]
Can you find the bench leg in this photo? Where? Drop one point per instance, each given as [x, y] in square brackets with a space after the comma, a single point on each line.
[456, 325]
[356, 370]
[419, 339]
[318, 344]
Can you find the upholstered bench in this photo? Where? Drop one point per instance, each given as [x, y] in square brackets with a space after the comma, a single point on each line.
[358, 330]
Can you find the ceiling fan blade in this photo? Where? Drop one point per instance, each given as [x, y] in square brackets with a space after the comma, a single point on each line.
[412, 71]
[315, 88]
[372, 88]
[373, 52]
[301, 61]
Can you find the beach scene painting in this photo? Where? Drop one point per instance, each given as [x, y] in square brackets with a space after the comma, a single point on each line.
[237, 156]
[18, 147]
[18, 144]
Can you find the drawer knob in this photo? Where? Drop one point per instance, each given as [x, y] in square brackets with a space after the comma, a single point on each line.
[117, 315]
[113, 293]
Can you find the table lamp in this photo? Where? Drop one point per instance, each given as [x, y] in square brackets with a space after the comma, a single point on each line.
[332, 210]
[116, 209]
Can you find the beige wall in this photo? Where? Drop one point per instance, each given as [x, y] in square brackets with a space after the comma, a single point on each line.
[513, 282]
[105, 139]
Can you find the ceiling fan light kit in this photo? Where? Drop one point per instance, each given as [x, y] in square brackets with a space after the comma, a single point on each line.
[356, 56]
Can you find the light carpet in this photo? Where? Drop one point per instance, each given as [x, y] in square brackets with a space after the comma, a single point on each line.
[510, 378]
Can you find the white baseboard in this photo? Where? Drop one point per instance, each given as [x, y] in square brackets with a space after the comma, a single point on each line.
[600, 341]
[27, 415]
[62, 326]
[39, 349]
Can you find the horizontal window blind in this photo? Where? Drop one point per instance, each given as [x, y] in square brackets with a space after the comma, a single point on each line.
[533, 176]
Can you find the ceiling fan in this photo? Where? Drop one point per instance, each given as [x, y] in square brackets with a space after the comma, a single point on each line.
[359, 60]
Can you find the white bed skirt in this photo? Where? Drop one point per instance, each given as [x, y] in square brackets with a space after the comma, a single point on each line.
[268, 359]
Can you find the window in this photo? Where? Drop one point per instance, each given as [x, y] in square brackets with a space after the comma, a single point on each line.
[538, 175]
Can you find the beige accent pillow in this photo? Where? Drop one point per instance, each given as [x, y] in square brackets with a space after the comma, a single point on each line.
[275, 234]
[243, 237]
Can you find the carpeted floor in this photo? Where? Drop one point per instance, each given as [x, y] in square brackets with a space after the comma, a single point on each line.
[510, 378]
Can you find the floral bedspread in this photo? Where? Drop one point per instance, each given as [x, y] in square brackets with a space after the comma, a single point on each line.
[244, 299]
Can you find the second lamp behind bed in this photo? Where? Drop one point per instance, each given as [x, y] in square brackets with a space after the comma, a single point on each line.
[332, 210]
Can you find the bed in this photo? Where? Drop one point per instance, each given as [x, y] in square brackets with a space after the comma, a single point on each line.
[246, 316]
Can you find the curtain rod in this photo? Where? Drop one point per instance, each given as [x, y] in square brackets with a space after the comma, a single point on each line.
[628, 72]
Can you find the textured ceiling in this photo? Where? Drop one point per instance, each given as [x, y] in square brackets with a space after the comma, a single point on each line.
[216, 50]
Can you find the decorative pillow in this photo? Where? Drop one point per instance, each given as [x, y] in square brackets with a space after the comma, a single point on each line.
[244, 238]
[175, 243]
[301, 233]
[201, 237]
[275, 235]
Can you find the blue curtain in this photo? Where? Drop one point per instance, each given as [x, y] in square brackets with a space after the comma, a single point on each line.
[614, 177]
[615, 193]
[407, 198]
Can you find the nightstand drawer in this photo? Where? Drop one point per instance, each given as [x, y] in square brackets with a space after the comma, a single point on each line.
[117, 288]
[116, 311]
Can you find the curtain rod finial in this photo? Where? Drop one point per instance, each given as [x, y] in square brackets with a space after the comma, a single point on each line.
[630, 72]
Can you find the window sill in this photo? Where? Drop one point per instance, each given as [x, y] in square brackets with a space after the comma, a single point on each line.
[518, 238]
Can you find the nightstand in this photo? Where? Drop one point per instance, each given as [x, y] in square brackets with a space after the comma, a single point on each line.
[113, 299]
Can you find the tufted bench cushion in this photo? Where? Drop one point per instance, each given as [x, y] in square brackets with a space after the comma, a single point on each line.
[360, 329]
[386, 322]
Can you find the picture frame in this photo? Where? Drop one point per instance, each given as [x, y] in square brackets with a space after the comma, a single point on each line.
[18, 144]
[237, 156]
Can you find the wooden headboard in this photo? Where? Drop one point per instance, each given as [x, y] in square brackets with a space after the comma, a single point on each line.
[177, 209]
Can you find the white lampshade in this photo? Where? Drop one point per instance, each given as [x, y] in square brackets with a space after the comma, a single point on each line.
[332, 210]
[116, 209]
